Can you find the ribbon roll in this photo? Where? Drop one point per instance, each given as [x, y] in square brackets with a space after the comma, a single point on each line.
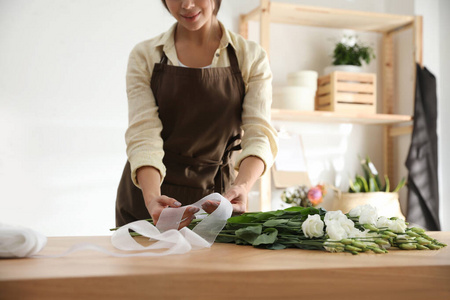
[16, 241]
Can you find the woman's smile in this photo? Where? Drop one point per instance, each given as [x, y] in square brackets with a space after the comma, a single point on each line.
[191, 17]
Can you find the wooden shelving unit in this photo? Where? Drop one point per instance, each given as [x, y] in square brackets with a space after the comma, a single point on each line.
[332, 117]
[385, 24]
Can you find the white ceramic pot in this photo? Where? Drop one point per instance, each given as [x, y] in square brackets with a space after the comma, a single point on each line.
[294, 98]
[343, 68]
[303, 78]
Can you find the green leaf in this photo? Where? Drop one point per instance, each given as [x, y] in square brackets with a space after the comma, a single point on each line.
[371, 172]
[242, 242]
[365, 167]
[400, 185]
[288, 239]
[373, 187]
[266, 215]
[295, 208]
[387, 188]
[249, 233]
[241, 219]
[275, 222]
[363, 183]
[276, 246]
[225, 239]
[293, 224]
[268, 237]
[309, 211]
[354, 187]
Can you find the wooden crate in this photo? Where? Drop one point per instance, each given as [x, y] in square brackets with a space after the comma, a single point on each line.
[347, 92]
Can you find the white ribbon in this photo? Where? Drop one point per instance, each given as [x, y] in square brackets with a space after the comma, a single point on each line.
[167, 234]
[17, 241]
[24, 242]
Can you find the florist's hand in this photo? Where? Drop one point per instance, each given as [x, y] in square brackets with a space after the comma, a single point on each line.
[156, 205]
[237, 195]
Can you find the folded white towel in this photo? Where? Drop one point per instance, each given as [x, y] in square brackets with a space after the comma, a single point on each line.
[17, 241]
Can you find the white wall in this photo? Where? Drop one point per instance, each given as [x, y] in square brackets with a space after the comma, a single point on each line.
[443, 112]
[63, 109]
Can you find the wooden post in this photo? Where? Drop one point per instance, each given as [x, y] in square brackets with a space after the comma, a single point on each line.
[418, 40]
[243, 27]
[265, 192]
[265, 180]
[388, 102]
[265, 25]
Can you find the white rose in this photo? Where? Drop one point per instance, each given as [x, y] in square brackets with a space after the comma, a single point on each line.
[398, 226]
[348, 226]
[383, 222]
[334, 216]
[313, 226]
[369, 215]
[355, 212]
[335, 231]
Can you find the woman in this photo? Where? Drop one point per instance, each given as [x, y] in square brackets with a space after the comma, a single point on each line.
[191, 91]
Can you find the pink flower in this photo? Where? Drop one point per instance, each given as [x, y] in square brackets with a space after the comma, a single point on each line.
[315, 194]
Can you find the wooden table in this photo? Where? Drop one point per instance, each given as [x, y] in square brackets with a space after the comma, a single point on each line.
[227, 271]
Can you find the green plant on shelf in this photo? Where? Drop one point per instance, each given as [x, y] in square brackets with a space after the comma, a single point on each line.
[371, 182]
[350, 51]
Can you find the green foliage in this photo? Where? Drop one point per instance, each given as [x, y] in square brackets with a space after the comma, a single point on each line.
[345, 54]
[371, 181]
[249, 233]
[282, 229]
[271, 230]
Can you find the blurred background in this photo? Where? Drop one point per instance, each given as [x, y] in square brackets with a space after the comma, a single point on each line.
[63, 105]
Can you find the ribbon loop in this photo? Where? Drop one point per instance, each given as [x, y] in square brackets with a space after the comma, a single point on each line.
[166, 232]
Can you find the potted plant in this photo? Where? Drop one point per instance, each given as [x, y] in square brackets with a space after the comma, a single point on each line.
[369, 189]
[349, 54]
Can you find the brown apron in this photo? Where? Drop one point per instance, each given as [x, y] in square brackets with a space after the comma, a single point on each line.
[200, 110]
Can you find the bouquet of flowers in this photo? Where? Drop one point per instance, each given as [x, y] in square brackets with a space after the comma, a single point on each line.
[310, 228]
[304, 196]
[361, 230]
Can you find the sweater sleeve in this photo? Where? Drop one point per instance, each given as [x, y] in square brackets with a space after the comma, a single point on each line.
[143, 136]
[260, 138]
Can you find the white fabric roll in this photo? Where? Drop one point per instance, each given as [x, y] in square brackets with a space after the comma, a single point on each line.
[17, 241]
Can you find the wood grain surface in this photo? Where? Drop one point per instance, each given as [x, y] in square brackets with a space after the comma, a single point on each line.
[227, 271]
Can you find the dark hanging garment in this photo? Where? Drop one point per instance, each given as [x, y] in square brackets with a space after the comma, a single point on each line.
[422, 161]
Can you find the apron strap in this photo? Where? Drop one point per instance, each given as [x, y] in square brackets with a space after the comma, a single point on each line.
[163, 59]
[233, 59]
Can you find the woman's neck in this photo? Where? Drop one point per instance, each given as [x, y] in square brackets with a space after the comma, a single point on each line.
[210, 32]
[196, 48]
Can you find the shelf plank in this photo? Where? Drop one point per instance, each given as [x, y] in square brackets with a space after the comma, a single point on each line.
[288, 13]
[333, 117]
